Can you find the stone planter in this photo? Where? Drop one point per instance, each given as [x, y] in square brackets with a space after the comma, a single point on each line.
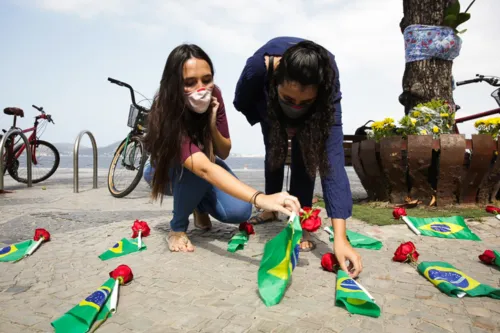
[452, 168]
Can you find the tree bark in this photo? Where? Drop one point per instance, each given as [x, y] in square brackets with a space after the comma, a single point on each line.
[427, 79]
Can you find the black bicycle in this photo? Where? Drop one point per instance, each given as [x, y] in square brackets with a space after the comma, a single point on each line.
[491, 80]
[130, 156]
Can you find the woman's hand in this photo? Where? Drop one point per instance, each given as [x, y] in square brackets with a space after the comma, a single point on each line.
[344, 251]
[279, 202]
[215, 106]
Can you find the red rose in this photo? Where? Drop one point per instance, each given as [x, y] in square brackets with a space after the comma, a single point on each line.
[140, 225]
[309, 219]
[406, 252]
[398, 212]
[330, 263]
[311, 224]
[123, 273]
[492, 209]
[247, 227]
[41, 233]
[488, 257]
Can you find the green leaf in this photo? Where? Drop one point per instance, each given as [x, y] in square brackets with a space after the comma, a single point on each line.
[462, 17]
[453, 9]
[461, 31]
[450, 21]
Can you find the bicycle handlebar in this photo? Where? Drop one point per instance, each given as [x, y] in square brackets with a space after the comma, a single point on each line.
[44, 115]
[492, 80]
[132, 94]
[38, 108]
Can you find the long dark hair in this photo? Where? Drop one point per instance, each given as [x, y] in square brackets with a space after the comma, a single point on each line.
[171, 122]
[308, 64]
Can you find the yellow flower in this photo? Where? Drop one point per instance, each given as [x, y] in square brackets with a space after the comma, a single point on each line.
[415, 114]
[444, 115]
[479, 123]
[388, 121]
[413, 121]
[435, 129]
[424, 132]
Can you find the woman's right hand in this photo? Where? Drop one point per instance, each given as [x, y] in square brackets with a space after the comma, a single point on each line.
[279, 202]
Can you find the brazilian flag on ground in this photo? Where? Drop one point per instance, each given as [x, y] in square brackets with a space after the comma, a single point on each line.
[453, 282]
[359, 240]
[443, 227]
[93, 308]
[123, 247]
[16, 251]
[238, 242]
[351, 296]
[280, 257]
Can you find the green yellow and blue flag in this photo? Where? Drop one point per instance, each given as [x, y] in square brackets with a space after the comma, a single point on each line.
[16, 251]
[442, 227]
[91, 310]
[280, 258]
[238, 242]
[123, 247]
[352, 296]
[453, 282]
[358, 240]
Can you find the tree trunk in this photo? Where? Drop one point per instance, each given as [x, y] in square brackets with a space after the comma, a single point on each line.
[427, 79]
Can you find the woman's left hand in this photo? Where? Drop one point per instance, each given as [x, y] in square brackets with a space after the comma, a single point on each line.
[215, 106]
[344, 251]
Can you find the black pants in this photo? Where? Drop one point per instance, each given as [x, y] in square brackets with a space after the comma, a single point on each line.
[301, 185]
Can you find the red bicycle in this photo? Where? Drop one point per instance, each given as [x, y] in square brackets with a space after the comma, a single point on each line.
[43, 165]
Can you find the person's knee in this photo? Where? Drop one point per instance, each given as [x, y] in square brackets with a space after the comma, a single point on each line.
[237, 212]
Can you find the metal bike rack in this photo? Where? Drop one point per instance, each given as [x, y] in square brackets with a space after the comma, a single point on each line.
[28, 154]
[75, 159]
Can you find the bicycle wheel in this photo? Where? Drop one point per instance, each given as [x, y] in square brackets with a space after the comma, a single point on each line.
[44, 167]
[129, 155]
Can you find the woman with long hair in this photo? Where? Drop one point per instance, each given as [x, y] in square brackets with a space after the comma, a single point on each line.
[188, 139]
[291, 86]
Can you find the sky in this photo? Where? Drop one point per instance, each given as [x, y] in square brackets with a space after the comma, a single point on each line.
[59, 53]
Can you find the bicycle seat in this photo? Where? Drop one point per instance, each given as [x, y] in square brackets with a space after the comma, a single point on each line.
[14, 112]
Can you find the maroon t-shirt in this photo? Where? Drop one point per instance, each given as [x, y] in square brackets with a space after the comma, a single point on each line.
[188, 148]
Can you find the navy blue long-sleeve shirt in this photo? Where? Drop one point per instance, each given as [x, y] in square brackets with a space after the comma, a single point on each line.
[251, 100]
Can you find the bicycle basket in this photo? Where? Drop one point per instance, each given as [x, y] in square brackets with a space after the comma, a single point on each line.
[137, 118]
[496, 96]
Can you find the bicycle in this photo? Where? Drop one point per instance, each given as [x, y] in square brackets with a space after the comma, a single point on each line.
[493, 81]
[130, 148]
[14, 150]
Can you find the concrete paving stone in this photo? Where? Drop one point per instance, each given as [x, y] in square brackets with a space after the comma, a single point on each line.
[477, 311]
[484, 323]
[212, 290]
[461, 327]
[12, 328]
[18, 316]
[430, 328]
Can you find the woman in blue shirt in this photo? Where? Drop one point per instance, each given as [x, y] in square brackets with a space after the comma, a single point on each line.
[291, 87]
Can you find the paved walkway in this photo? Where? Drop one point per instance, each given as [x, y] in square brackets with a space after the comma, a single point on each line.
[212, 290]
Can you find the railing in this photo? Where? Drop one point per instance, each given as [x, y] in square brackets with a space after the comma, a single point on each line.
[75, 159]
[28, 154]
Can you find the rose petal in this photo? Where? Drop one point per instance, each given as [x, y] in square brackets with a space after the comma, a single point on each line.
[123, 272]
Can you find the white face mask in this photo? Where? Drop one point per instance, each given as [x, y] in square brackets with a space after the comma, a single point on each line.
[199, 100]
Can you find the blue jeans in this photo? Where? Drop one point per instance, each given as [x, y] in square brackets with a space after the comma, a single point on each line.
[192, 192]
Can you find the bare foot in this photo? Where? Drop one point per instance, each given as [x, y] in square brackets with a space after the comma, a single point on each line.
[306, 244]
[202, 220]
[179, 242]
